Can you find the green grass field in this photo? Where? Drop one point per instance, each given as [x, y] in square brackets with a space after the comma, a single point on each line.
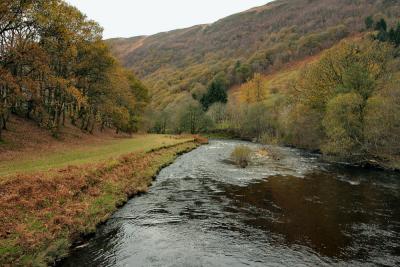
[87, 154]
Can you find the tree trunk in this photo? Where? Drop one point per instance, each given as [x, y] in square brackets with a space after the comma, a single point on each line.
[83, 118]
[63, 116]
[92, 126]
[73, 122]
[4, 122]
[87, 123]
[56, 122]
[1, 126]
[30, 108]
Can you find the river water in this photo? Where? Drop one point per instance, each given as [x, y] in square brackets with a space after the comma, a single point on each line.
[290, 210]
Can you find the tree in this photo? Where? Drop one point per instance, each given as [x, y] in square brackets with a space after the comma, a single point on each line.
[303, 127]
[334, 107]
[381, 27]
[161, 121]
[198, 91]
[343, 126]
[253, 90]
[382, 123]
[246, 92]
[357, 78]
[255, 120]
[217, 112]
[216, 92]
[140, 94]
[397, 35]
[192, 119]
[258, 87]
[369, 22]
[394, 35]
[53, 63]
[242, 72]
[347, 67]
[120, 118]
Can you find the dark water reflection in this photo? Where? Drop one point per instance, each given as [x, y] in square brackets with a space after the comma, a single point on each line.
[297, 211]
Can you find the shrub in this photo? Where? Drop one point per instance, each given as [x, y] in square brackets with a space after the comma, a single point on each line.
[241, 155]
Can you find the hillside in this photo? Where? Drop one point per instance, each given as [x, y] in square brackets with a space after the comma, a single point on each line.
[274, 82]
[178, 63]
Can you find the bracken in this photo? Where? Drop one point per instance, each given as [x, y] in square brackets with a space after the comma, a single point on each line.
[42, 214]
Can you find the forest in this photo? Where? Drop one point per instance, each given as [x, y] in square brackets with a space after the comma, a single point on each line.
[344, 103]
[56, 69]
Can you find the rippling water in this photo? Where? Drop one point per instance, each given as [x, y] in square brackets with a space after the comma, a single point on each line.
[295, 211]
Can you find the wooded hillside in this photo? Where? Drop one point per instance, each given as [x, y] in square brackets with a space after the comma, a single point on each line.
[181, 63]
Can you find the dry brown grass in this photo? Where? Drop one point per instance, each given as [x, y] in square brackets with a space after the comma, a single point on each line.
[41, 214]
[241, 155]
[199, 139]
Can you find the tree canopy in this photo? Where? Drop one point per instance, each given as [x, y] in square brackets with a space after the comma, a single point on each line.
[216, 92]
[54, 66]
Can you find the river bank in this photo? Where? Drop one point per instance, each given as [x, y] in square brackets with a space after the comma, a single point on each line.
[43, 213]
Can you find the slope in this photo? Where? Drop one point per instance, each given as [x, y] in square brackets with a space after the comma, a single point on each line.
[174, 64]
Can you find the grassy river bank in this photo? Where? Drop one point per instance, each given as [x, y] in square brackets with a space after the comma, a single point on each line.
[42, 213]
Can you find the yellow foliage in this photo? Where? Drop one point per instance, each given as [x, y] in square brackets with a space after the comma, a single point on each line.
[77, 95]
[254, 90]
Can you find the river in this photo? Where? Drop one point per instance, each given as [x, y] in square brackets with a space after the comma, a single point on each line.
[295, 210]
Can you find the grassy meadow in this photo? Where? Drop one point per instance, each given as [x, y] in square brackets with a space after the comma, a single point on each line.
[87, 153]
